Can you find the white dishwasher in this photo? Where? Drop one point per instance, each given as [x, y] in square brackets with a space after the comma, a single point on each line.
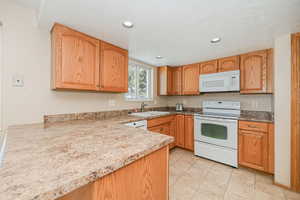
[142, 124]
[2, 146]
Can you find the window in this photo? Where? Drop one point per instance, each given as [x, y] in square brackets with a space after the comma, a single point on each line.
[139, 82]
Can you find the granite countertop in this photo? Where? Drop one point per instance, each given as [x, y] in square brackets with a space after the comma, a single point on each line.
[46, 163]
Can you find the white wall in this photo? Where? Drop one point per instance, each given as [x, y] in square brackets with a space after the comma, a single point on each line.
[259, 102]
[282, 100]
[27, 52]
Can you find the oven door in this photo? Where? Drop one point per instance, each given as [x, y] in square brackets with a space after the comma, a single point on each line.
[221, 132]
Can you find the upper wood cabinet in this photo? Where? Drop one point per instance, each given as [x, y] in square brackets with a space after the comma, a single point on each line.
[256, 72]
[209, 67]
[190, 79]
[164, 80]
[113, 68]
[75, 59]
[81, 62]
[229, 64]
[177, 80]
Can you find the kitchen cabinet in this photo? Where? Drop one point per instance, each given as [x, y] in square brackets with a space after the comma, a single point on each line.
[190, 79]
[256, 72]
[256, 145]
[164, 125]
[181, 127]
[113, 68]
[189, 132]
[229, 64]
[173, 132]
[164, 81]
[177, 80]
[81, 62]
[209, 67]
[148, 175]
[180, 138]
[75, 59]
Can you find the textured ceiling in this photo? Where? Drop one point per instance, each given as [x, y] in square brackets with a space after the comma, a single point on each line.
[178, 30]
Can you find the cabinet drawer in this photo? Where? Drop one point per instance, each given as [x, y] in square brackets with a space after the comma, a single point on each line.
[163, 129]
[253, 126]
[159, 121]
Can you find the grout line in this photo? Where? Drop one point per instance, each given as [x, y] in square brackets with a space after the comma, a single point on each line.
[227, 186]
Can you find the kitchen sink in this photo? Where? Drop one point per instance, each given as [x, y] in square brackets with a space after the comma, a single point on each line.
[149, 113]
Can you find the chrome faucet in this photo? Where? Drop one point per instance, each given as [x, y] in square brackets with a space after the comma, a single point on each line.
[143, 106]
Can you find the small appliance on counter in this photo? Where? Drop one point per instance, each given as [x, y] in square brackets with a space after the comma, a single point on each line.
[179, 107]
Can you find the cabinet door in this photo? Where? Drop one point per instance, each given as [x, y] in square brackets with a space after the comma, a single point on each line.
[173, 132]
[180, 130]
[164, 80]
[229, 64]
[177, 81]
[189, 132]
[190, 79]
[271, 148]
[113, 68]
[253, 149]
[209, 67]
[270, 71]
[254, 72]
[75, 60]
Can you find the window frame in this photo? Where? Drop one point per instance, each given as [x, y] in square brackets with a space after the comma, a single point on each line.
[150, 84]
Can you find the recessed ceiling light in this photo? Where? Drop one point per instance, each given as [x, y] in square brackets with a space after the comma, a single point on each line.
[159, 57]
[215, 40]
[127, 24]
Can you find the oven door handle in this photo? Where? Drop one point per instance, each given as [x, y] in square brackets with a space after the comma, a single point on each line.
[215, 119]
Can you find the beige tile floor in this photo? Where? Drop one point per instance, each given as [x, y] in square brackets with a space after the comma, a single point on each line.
[194, 178]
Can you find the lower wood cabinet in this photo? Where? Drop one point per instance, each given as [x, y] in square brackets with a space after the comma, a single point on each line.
[146, 178]
[181, 127]
[164, 125]
[189, 132]
[180, 131]
[256, 145]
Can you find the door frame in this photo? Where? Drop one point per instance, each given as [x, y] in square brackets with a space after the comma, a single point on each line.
[295, 113]
[1, 78]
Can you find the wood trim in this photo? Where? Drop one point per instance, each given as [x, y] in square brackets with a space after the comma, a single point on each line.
[270, 71]
[282, 186]
[295, 113]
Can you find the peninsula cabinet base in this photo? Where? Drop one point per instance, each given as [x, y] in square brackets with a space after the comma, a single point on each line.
[144, 179]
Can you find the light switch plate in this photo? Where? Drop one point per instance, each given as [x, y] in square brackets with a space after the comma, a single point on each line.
[18, 80]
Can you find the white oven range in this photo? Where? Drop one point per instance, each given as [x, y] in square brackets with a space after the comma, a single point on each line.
[216, 132]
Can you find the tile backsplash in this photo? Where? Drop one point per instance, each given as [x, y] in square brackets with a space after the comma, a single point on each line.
[253, 102]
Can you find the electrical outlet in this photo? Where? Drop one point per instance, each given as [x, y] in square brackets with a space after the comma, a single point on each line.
[18, 80]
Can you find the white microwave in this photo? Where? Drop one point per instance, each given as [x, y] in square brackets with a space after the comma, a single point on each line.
[220, 82]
